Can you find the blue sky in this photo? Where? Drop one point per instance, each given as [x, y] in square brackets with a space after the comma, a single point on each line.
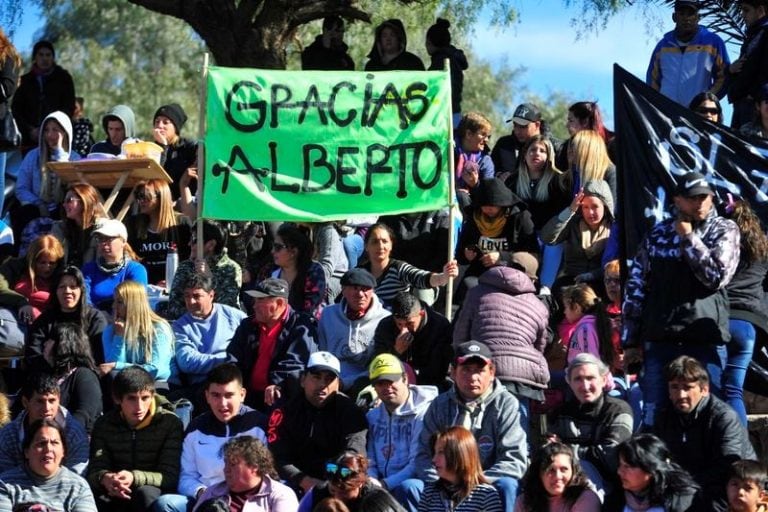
[545, 43]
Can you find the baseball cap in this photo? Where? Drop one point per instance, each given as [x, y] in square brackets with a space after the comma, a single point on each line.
[358, 277]
[473, 350]
[525, 114]
[270, 287]
[525, 262]
[385, 367]
[693, 184]
[324, 361]
[111, 228]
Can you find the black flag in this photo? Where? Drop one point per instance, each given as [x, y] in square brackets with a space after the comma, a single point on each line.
[658, 141]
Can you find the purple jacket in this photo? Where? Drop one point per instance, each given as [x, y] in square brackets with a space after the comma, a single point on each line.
[272, 496]
[504, 313]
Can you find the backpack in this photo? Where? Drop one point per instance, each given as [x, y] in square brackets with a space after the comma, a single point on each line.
[11, 334]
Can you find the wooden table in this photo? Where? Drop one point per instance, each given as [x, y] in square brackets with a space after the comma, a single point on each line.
[117, 174]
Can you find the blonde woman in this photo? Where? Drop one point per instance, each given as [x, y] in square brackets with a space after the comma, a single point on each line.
[83, 208]
[156, 228]
[588, 160]
[137, 335]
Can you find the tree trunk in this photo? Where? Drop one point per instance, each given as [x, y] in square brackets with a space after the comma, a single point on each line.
[250, 33]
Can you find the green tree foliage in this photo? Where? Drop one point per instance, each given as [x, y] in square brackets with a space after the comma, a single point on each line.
[119, 53]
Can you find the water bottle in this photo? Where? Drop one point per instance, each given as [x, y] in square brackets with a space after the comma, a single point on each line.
[171, 264]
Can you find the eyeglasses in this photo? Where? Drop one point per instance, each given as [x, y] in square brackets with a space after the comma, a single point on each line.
[72, 199]
[277, 247]
[482, 135]
[105, 239]
[707, 110]
[335, 472]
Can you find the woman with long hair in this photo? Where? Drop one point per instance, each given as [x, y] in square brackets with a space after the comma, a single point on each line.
[583, 115]
[394, 276]
[37, 188]
[748, 314]
[652, 480]
[461, 485]
[292, 253]
[43, 482]
[347, 480]
[67, 304]
[10, 63]
[69, 354]
[539, 184]
[588, 160]
[707, 105]
[32, 276]
[137, 335]
[115, 262]
[554, 482]
[157, 228]
[83, 208]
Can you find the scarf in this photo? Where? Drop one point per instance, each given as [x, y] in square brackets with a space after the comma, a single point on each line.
[491, 228]
[111, 268]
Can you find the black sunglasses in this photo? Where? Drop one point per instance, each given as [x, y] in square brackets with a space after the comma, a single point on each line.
[707, 110]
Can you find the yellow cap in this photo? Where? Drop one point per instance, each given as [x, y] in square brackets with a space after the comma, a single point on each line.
[385, 367]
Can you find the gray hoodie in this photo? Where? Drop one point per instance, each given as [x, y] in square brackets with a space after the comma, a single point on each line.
[393, 439]
[495, 424]
[124, 114]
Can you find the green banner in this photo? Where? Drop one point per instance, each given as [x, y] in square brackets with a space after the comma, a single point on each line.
[316, 146]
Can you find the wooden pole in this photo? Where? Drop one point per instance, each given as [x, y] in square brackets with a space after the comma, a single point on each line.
[451, 200]
[201, 160]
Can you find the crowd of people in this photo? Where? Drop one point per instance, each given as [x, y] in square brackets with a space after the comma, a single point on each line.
[307, 366]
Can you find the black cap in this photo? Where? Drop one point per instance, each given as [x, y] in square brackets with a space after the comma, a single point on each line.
[525, 114]
[270, 287]
[693, 184]
[358, 277]
[473, 350]
[493, 192]
[175, 113]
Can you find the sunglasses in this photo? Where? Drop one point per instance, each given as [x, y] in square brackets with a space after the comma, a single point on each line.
[335, 472]
[143, 196]
[707, 110]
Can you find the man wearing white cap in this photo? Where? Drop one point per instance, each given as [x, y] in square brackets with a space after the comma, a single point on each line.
[394, 426]
[315, 426]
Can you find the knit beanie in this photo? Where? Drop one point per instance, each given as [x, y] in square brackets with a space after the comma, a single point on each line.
[175, 113]
[493, 192]
[438, 33]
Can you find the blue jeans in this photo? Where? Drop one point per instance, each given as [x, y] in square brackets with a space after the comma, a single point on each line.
[739, 354]
[656, 357]
[172, 503]
[507, 487]
[353, 248]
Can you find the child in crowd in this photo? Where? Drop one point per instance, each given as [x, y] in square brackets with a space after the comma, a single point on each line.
[746, 487]
[135, 448]
[589, 326]
[82, 129]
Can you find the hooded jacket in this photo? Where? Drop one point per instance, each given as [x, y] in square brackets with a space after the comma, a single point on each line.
[404, 61]
[458, 64]
[503, 312]
[124, 114]
[676, 286]
[393, 439]
[29, 180]
[583, 250]
[495, 423]
[317, 56]
[518, 234]
[350, 340]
